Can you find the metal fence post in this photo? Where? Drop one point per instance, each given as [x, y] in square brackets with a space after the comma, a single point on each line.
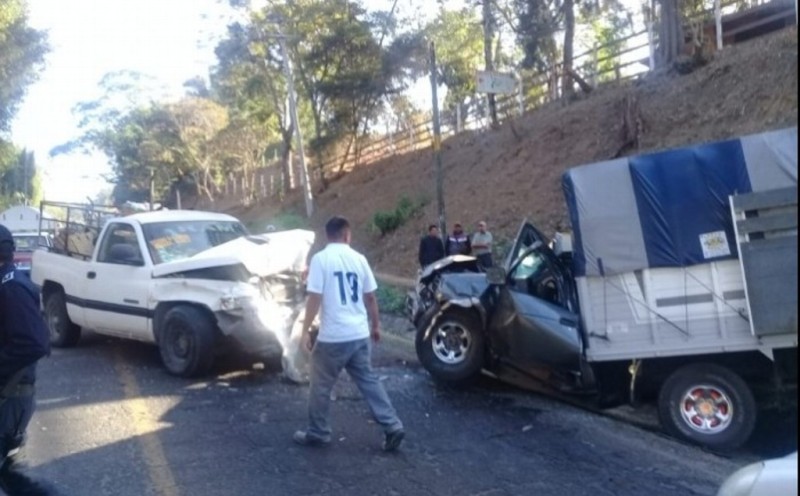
[263, 186]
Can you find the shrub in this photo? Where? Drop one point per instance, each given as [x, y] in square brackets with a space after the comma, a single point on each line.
[391, 299]
[386, 222]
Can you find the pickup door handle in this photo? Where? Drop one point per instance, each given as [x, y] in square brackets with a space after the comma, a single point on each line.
[91, 275]
[568, 322]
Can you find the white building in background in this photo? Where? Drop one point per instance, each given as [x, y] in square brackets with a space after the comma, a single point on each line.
[23, 218]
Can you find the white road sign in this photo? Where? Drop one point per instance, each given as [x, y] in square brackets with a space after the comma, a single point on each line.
[495, 82]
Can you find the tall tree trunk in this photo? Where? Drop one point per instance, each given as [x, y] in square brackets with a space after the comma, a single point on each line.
[567, 89]
[287, 170]
[670, 33]
[289, 181]
[317, 152]
[488, 37]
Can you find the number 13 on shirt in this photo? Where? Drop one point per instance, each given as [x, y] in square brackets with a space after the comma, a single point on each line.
[347, 281]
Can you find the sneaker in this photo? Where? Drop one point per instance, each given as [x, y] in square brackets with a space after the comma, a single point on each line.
[305, 439]
[393, 440]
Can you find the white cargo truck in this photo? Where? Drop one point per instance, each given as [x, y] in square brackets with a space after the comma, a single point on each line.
[678, 283]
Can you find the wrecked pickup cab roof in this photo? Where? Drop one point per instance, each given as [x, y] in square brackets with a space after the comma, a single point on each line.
[262, 255]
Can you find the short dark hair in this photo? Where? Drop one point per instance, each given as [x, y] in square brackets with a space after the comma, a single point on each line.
[6, 245]
[6, 252]
[336, 226]
[431, 227]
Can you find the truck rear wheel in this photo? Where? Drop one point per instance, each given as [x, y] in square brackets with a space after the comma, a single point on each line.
[709, 405]
[453, 350]
[63, 332]
[186, 341]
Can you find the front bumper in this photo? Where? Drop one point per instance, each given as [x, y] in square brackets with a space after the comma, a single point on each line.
[256, 331]
[412, 306]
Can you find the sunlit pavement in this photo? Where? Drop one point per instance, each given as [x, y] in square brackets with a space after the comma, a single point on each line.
[112, 422]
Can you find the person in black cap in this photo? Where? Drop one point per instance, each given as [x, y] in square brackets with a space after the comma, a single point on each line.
[24, 339]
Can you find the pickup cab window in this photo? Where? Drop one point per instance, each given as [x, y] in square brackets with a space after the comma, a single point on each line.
[171, 241]
[534, 276]
[120, 246]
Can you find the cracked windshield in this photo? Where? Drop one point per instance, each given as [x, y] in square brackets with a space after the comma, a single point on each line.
[170, 241]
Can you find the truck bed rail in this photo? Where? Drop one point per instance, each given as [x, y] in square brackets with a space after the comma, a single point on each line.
[75, 226]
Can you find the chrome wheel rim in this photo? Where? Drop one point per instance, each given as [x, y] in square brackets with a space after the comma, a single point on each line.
[451, 342]
[706, 409]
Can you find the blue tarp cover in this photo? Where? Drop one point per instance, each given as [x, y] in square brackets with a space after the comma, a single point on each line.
[670, 209]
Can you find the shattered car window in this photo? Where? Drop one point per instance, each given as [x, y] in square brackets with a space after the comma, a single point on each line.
[531, 264]
[527, 241]
[171, 241]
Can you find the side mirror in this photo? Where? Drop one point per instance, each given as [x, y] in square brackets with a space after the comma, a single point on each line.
[496, 276]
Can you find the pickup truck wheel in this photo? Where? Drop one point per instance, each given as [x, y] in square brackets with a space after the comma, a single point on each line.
[452, 348]
[708, 405]
[186, 341]
[63, 333]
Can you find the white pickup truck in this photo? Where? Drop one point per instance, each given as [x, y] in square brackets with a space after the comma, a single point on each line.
[194, 283]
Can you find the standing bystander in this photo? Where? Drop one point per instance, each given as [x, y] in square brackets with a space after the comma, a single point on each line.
[457, 243]
[482, 245]
[431, 247]
[341, 284]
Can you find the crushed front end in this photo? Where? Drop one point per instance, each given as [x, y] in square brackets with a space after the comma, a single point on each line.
[420, 300]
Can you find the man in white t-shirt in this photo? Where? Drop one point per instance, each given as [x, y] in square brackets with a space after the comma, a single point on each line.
[341, 284]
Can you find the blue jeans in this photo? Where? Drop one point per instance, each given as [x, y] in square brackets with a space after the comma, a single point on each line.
[327, 361]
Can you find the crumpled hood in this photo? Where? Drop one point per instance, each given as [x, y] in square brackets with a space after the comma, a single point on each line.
[262, 255]
[453, 263]
[463, 285]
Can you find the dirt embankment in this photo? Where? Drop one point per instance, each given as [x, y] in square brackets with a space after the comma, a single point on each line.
[505, 175]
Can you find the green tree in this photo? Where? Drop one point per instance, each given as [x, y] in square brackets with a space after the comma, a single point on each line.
[458, 37]
[608, 23]
[20, 181]
[341, 67]
[249, 79]
[538, 21]
[22, 51]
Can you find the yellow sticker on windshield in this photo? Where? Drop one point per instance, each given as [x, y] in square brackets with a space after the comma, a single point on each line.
[167, 241]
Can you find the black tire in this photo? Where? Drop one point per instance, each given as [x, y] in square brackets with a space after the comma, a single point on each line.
[186, 341]
[63, 332]
[453, 351]
[727, 414]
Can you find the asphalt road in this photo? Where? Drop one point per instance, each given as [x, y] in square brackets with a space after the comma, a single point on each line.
[110, 421]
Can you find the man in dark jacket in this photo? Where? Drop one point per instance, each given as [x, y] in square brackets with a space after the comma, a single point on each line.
[458, 243]
[24, 339]
[431, 248]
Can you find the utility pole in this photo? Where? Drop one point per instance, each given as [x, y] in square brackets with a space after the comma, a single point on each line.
[152, 186]
[304, 179]
[26, 191]
[488, 38]
[437, 145]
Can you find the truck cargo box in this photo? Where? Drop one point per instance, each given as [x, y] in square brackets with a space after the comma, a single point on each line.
[657, 252]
